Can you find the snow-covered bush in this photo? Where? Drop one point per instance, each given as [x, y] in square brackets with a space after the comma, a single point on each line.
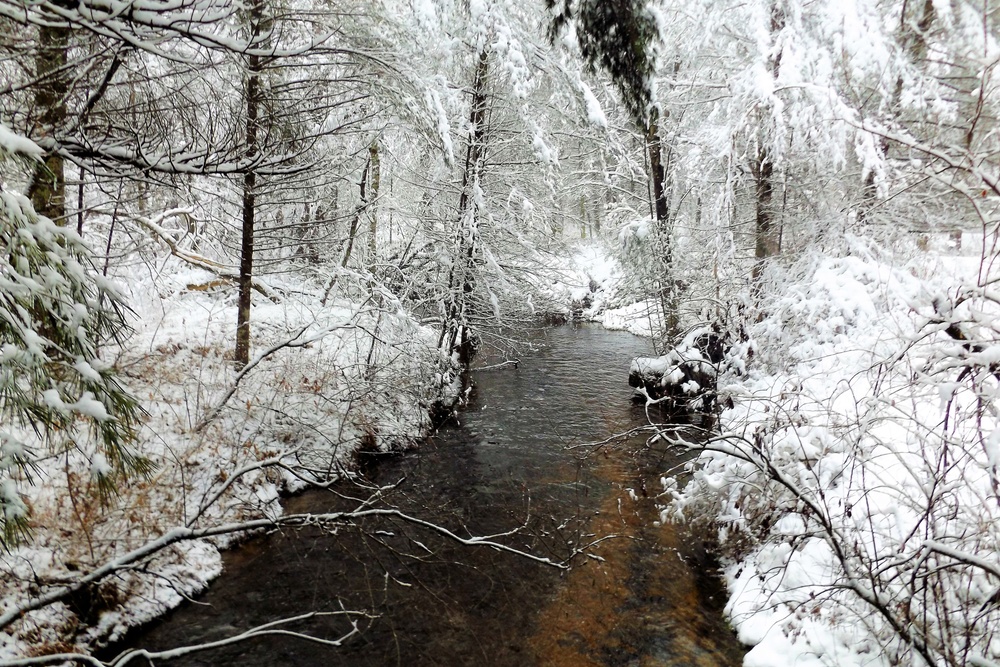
[855, 481]
[55, 313]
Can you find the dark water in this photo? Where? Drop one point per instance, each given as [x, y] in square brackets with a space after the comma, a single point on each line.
[647, 596]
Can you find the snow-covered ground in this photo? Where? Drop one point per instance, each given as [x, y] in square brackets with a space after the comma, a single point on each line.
[597, 276]
[354, 374]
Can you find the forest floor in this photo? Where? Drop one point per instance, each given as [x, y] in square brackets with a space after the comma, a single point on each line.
[348, 374]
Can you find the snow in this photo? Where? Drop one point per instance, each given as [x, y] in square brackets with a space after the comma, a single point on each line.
[88, 406]
[309, 405]
[86, 370]
[13, 506]
[543, 151]
[651, 366]
[845, 396]
[424, 12]
[595, 114]
[100, 467]
[52, 399]
[433, 101]
[15, 143]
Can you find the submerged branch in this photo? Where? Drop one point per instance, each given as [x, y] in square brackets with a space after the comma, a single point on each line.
[142, 554]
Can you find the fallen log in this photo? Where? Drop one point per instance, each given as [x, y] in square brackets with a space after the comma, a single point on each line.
[686, 376]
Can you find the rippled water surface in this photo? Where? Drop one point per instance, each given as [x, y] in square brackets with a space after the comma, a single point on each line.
[646, 596]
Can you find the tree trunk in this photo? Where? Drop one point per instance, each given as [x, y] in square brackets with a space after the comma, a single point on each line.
[253, 101]
[669, 293]
[375, 180]
[455, 330]
[656, 171]
[47, 190]
[353, 232]
[767, 234]
[79, 203]
[765, 231]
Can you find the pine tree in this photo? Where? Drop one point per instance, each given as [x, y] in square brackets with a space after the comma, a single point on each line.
[615, 36]
[55, 312]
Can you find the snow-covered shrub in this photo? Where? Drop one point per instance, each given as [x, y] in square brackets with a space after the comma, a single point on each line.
[855, 481]
[55, 313]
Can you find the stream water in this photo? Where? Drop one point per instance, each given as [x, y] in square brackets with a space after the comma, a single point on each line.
[647, 596]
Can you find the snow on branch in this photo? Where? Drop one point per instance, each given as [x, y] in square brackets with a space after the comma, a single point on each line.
[274, 628]
[153, 225]
[964, 160]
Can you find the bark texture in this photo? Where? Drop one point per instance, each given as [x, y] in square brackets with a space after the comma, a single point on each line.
[47, 190]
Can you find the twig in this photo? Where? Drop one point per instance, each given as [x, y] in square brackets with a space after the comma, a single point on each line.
[265, 630]
[495, 367]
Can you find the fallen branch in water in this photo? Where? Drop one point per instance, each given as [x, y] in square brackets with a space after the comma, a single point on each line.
[496, 367]
[135, 558]
[266, 630]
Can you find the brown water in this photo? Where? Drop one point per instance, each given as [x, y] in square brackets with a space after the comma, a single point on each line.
[647, 596]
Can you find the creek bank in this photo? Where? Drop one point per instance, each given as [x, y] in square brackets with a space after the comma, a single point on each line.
[853, 371]
[686, 376]
[304, 413]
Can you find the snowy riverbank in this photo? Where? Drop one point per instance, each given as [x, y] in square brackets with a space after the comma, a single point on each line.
[854, 484]
[346, 375]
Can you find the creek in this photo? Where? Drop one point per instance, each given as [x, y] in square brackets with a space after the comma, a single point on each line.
[648, 595]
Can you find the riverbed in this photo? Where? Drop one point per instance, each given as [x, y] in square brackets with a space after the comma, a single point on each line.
[512, 465]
